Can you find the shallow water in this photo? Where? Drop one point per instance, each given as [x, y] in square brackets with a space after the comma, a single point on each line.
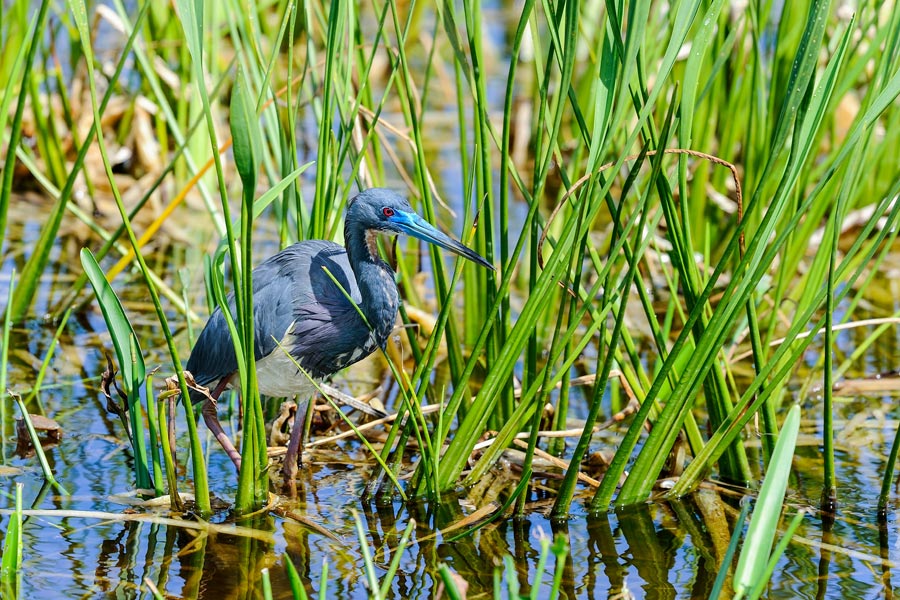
[658, 550]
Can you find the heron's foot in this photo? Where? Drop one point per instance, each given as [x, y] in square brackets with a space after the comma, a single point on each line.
[211, 418]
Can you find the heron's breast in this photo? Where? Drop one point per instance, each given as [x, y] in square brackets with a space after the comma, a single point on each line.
[277, 375]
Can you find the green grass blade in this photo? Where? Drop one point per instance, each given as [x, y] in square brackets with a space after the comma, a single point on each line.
[266, 584]
[130, 358]
[767, 511]
[4, 360]
[246, 141]
[11, 561]
[449, 581]
[154, 431]
[120, 329]
[323, 581]
[802, 71]
[15, 74]
[38, 449]
[395, 559]
[252, 480]
[15, 137]
[761, 583]
[368, 562]
[294, 580]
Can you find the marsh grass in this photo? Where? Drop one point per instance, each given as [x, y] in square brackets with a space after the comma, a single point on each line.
[593, 179]
[11, 561]
[757, 547]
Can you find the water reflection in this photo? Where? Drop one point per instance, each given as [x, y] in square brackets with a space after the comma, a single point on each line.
[660, 550]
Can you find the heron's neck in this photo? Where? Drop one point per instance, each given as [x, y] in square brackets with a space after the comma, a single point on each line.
[375, 279]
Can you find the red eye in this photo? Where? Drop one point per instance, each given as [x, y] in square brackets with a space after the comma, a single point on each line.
[387, 211]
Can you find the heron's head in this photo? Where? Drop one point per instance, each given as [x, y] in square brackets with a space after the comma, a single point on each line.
[385, 210]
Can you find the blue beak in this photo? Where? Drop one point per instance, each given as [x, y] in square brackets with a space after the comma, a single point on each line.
[412, 224]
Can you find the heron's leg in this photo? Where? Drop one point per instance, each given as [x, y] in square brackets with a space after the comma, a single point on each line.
[292, 456]
[211, 418]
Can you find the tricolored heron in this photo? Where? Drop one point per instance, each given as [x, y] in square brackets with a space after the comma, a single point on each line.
[298, 304]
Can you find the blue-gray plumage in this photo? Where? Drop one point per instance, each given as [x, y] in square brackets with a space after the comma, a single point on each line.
[297, 303]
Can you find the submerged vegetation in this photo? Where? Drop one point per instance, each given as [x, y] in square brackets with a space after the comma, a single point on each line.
[679, 199]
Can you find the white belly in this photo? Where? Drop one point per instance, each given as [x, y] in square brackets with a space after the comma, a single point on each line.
[278, 376]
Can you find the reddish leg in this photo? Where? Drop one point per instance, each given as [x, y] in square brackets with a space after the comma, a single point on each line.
[211, 418]
[289, 470]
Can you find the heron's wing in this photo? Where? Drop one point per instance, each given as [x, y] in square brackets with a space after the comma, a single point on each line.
[281, 286]
[328, 332]
[213, 354]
